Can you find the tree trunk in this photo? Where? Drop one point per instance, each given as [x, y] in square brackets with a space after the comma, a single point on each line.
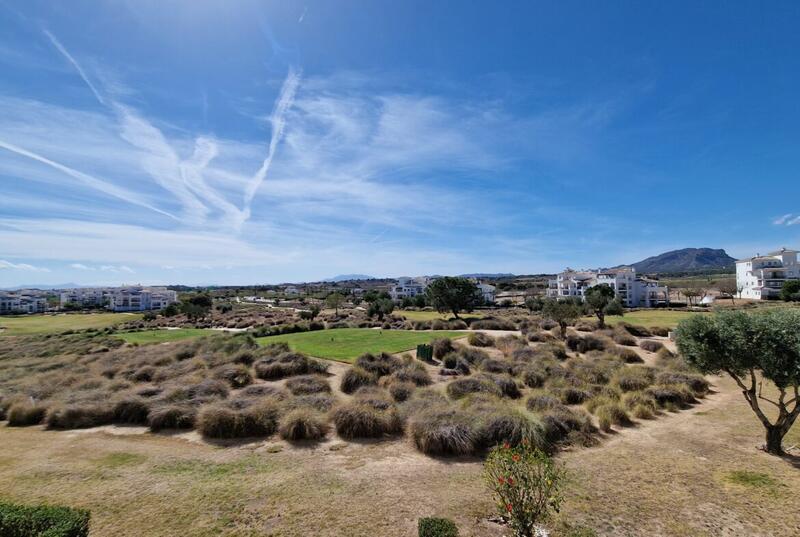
[563, 330]
[774, 440]
[602, 318]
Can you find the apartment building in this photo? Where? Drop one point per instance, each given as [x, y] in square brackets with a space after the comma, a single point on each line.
[95, 297]
[632, 290]
[761, 277]
[26, 301]
[138, 298]
[408, 287]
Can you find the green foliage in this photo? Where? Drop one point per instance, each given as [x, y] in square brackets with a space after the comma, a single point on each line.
[744, 345]
[380, 308]
[615, 308]
[790, 292]
[453, 294]
[436, 527]
[43, 521]
[197, 307]
[534, 303]
[562, 312]
[525, 483]
[598, 299]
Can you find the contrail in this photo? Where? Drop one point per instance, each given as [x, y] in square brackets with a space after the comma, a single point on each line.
[278, 122]
[56, 43]
[88, 180]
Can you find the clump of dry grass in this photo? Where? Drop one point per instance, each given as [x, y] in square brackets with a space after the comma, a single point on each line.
[308, 384]
[510, 343]
[171, 417]
[131, 411]
[496, 366]
[611, 414]
[221, 421]
[629, 356]
[588, 342]
[303, 424]
[672, 395]
[381, 365]
[442, 347]
[413, 372]
[623, 337]
[634, 378]
[443, 431]
[651, 345]
[561, 421]
[362, 420]
[480, 339]
[697, 383]
[26, 414]
[287, 364]
[401, 391]
[356, 377]
[237, 375]
[79, 416]
[462, 387]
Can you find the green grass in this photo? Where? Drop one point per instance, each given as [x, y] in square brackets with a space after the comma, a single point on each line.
[433, 315]
[21, 325]
[146, 337]
[665, 318]
[751, 479]
[346, 344]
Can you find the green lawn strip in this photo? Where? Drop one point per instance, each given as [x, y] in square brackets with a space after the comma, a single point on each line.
[20, 325]
[146, 337]
[665, 318]
[347, 344]
[413, 315]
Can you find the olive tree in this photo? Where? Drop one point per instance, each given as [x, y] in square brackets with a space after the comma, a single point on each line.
[751, 348]
[598, 299]
[334, 300]
[729, 288]
[562, 312]
[453, 294]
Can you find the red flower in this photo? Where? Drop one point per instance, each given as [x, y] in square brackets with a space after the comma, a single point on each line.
[508, 507]
[501, 480]
[506, 445]
[524, 441]
[515, 457]
[511, 481]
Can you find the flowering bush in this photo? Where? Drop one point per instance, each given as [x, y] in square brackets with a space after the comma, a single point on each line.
[525, 482]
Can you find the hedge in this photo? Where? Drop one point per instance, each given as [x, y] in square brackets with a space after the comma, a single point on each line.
[43, 521]
[437, 527]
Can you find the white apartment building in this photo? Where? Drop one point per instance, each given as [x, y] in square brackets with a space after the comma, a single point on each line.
[631, 290]
[95, 297]
[408, 287]
[22, 302]
[138, 298]
[761, 277]
[487, 292]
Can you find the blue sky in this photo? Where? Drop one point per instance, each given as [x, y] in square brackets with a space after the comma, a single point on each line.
[251, 142]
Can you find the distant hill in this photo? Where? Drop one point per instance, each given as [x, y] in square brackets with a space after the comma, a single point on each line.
[487, 275]
[43, 286]
[686, 260]
[348, 277]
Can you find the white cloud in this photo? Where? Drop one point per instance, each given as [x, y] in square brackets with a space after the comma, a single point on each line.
[20, 266]
[781, 220]
[794, 221]
[80, 266]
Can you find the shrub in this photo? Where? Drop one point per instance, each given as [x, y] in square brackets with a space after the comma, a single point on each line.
[539, 336]
[303, 424]
[443, 431]
[171, 417]
[507, 385]
[533, 378]
[415, 373]
[643, 412]
[479, 339]
[659, 331]
[570, 395]
[611, 414]
[560, 421]
[633, 378]
[638, 331]
[696, 383]
[651, 345]
[496, 366]
[131, 411]
[586, 326]
[79, 416]
[237, 375]
[623, 337]
[287, 365]
[526, 484]
[633, 400]
[401, 391]
[43, 521]
[380, 365]
[472, 356]
[354, 378]
[26, 414]
[589, 342]
[322, 402]
[461, 387]
[218, 421]
[362, 420]
[629, 356]
[511, 426]
[307, 384]
[508, 344]
[492, 324]
[442, 347]
[436, 527]
[538, 403]
[671, 394]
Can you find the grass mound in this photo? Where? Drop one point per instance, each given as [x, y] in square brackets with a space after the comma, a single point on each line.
[444, 431]
[650, 345]
[362, 420]
[442, 347]
[172, 417]
[79, 416]
[354, 378]
[479, 339]
[463, 387]
[131, 411]
[303, 424]
[287, 365]
[436, 527]
[219, 421]
[612, 414]
[308, 384]
[237, 375]
[26, 414]
[381, 365]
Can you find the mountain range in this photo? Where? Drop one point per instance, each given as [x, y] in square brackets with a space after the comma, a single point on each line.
[686, 260]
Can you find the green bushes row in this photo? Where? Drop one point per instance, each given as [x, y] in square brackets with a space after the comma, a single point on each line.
[43, 521]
